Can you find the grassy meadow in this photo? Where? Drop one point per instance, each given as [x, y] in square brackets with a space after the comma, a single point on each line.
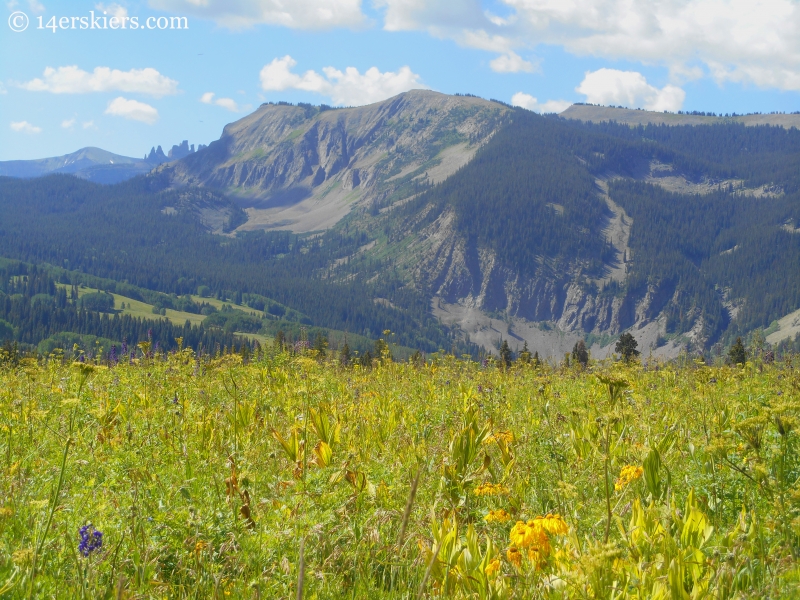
[291, 475]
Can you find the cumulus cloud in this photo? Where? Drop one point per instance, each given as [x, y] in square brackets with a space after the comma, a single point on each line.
[524, 100]
[730, 40]
[131, 109]
[87, 124]
[511, 63]
[113, 10]
[72, 80]
[229, 103]
[629, 88]
[25, 127]
[68, 123]
[295, 14]
[348, 87]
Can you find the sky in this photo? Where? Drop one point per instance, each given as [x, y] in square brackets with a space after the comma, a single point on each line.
[130, 75]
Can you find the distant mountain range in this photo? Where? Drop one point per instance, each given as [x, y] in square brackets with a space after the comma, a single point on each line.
[95, 164]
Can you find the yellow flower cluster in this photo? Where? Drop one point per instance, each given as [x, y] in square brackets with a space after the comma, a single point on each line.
[491, 489]
[492, 568]
[535, 537]
[626, 475]
[497, 516]
[501, 436]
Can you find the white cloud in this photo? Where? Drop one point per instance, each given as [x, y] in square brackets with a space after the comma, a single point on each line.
[436, 16]
[72, 80]
[87, 124]
[68, 123]
[113, 10]
[511, 63]
[524, 100]
[295, 14]
[3, 89]
[229, 103]
[629, 88]
[349, 87]
[25, 127]
[131, 109]
[36, 6]
[742, 41]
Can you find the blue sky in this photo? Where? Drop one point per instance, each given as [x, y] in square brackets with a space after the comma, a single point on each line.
[126, 90]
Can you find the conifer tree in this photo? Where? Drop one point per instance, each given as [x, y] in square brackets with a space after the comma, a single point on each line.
[505, 353]
[525, 355]
[626, 347]
[737, 354]
[580, 354]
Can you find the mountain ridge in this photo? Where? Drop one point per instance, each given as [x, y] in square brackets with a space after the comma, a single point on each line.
[629, 116]
[303, 168]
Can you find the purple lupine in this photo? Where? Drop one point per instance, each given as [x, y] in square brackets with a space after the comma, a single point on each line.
[91, 540]
[124, 351]
[132, 356]
[112, 357]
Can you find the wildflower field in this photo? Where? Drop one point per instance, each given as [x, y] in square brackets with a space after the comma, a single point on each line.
[286, 476]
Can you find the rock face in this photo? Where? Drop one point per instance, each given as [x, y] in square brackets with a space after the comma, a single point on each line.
[303, 168]
[468, 284]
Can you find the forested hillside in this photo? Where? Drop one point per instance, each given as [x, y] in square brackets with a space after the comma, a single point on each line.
[122, 233]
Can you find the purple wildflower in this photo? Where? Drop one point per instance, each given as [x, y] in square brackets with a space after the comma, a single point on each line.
[124, 351]
[112, 357]
[91, 540]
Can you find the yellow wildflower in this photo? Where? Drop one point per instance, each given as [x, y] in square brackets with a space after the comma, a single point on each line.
[514, 556]
[626, 475]
[530, 534]
[497, 516]
[554, 524]
[492, 568]
[5, 512]
[538, 555]
[490, 489]
[501, 436]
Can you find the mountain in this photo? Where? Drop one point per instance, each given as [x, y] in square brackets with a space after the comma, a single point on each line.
[456, 223]
[95, 164]
[598, 114]
[303, 167]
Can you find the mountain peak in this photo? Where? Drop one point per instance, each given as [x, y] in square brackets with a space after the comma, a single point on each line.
[304, 167]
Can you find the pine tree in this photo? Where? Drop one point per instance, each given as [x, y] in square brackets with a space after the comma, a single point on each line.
[580, 354]
[344, 355]
[536, 361]
[505, 354]
[737, 355]
[626, 347]
[320, 345]
[525, 355]
[280, 340]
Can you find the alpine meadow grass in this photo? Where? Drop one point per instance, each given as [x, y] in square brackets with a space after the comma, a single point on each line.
[290, 475]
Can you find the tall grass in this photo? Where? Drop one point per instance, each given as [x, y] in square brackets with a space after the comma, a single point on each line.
[292, 477]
